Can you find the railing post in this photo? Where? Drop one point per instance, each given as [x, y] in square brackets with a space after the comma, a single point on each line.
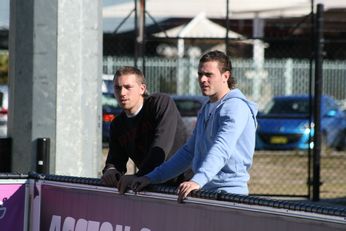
[317, 108]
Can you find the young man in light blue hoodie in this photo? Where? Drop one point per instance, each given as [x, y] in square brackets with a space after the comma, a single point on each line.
[220, 150]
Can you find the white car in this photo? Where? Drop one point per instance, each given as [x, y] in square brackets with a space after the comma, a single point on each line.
[3, 110]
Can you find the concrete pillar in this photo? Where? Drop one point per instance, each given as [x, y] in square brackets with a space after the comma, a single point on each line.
[55, 84]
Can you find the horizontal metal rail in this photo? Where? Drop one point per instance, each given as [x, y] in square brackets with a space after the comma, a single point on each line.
[202, 194]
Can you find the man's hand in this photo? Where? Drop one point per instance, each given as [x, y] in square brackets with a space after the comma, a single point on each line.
[185, 188]
[139, 183]
[111, 177]
[125, 182]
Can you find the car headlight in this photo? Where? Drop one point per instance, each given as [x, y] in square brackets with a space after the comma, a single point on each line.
[307, 128]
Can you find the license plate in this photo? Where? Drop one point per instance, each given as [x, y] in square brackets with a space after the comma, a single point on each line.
[278, 140]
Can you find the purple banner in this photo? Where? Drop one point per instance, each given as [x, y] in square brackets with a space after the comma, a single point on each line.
[12, 206]
[72, 209]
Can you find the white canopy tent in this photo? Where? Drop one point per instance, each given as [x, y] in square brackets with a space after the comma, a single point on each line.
[199, 27]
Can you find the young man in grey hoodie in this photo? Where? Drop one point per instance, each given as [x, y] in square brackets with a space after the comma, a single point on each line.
[220, 150]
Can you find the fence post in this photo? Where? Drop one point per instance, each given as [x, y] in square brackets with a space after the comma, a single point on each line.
[317, 99]
[42, 155]
[288, 74]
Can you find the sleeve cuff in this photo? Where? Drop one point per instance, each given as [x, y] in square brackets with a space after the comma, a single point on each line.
[200, 179]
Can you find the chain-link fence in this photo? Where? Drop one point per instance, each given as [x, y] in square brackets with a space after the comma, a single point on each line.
[277, 76]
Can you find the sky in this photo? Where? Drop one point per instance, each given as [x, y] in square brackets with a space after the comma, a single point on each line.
[110, 24]
[4, 13]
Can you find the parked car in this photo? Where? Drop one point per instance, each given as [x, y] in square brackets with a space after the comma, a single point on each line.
[3, 110]
[188, 106]
[110, 109]
[284, 124]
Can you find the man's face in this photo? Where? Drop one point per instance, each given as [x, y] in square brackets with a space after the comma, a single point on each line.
[213, 83]
[129, 92]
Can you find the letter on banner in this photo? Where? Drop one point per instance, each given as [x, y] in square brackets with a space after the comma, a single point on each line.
[55, 223]
[106, 226]
[69, 224]
[145, 229]
[81, 225]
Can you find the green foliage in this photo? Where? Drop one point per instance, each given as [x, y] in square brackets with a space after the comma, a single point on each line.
[4, 67]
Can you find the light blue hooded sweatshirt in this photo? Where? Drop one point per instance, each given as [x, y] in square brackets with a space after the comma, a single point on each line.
[220, 150]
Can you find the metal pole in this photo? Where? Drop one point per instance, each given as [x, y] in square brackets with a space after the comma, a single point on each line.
[136, 35]
[312, 39]
[317, 100]
[142, 34]
[42, 156]
[227, 27]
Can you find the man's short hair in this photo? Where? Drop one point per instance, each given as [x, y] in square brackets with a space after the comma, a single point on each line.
[130, 70]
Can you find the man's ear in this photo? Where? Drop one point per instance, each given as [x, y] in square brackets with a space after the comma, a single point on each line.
[227, 75]
[143, 88]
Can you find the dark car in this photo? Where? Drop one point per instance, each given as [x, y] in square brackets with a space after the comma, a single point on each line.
[110, 109]
[189, 106]
[284, 124]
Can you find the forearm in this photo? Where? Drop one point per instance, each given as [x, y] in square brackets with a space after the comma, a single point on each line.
[116, 158]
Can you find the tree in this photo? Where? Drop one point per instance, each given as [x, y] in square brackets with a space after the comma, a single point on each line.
[4, 67]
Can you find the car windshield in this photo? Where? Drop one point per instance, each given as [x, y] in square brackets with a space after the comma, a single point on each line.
[287, 106]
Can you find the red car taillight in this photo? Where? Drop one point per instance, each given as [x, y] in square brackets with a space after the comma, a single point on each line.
[3, 111]
[108, 117]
